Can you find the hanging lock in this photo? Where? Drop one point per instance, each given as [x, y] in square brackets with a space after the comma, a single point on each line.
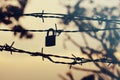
[50, 39]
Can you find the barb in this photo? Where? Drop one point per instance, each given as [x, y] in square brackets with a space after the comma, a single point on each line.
[75, 60]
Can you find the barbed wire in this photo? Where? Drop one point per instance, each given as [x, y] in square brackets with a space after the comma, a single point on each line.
[69, 17]
[75, 60]
[61, 31]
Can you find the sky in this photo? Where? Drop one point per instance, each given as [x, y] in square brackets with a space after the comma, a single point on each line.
[25, 67]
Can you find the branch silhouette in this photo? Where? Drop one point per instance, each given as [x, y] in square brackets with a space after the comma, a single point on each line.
[109, 40]
[7, 8]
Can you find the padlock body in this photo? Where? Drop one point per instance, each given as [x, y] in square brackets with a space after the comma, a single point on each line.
[50, 40]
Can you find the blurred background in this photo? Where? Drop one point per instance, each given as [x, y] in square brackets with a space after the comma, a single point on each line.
[90, 45]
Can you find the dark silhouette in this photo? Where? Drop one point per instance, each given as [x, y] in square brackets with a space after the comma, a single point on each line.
[73, 60]
[109, 40]
[50, 40]
[23, 32]
[10, 13]
[90, 77]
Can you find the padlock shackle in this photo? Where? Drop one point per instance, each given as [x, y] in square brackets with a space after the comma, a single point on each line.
[50, 29]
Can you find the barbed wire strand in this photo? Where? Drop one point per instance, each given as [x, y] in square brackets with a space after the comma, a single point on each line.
[75, 60]
[61, 31]
[67, 17]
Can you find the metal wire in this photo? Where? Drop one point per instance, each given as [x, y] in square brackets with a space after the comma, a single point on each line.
[74, 60]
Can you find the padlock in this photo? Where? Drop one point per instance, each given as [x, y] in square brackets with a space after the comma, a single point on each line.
[50, 39]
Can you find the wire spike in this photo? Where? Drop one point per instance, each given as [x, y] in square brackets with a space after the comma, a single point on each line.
[42, 53]
[56, 28]
[42, 50]
[11, 52]
[58, 31]
[12, 44]
[70, 66]
[73, 55]
[42, 16]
